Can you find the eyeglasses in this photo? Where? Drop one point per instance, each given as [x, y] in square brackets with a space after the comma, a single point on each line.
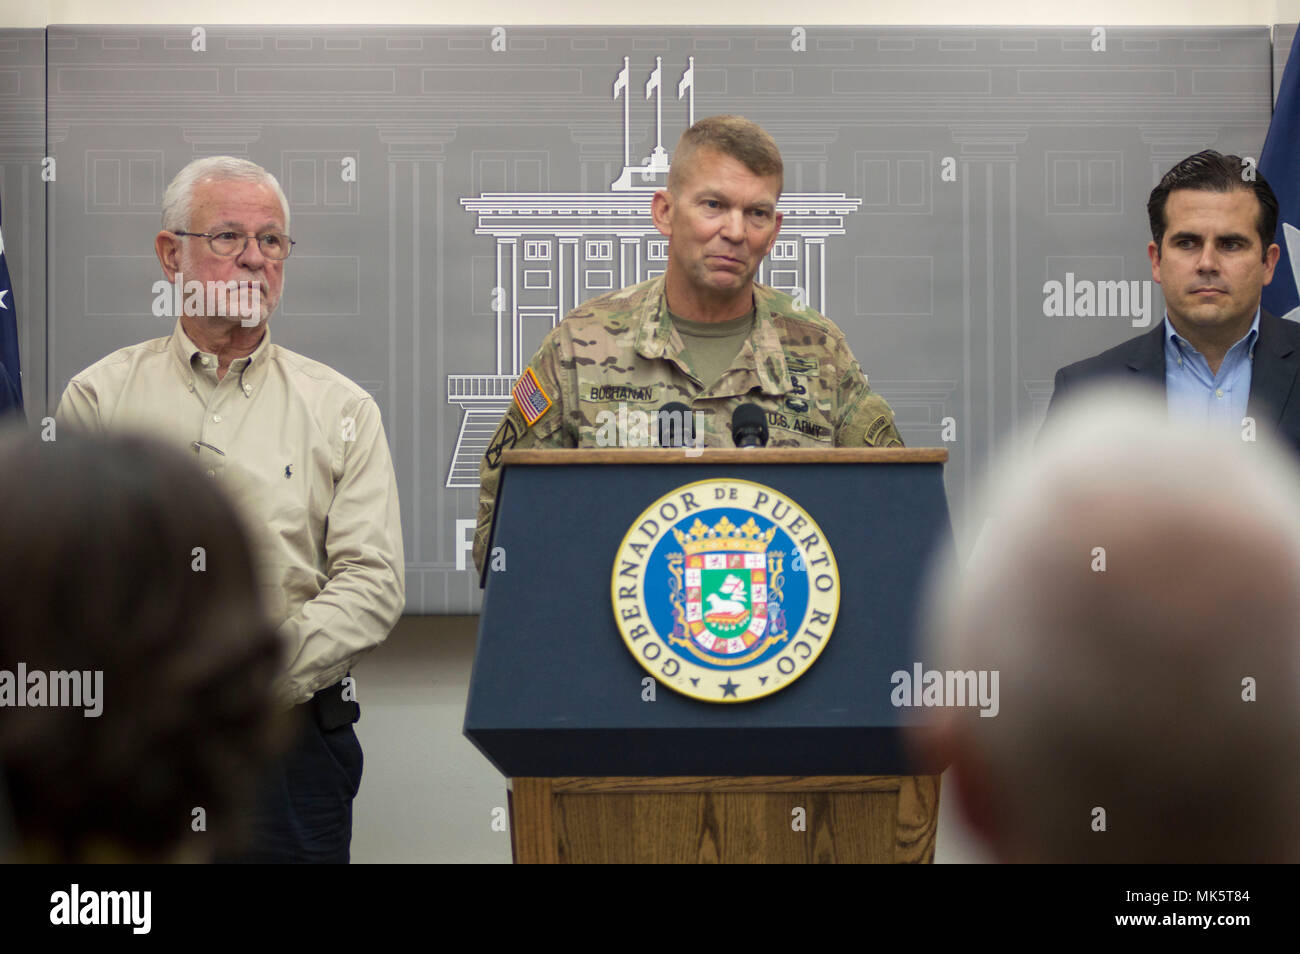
[273, 245]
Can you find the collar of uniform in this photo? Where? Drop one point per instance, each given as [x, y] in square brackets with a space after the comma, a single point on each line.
[656, 333]
[769, 353]
[654, 324]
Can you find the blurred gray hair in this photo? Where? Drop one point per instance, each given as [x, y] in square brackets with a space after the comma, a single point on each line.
[1122, 688]
[178, 200]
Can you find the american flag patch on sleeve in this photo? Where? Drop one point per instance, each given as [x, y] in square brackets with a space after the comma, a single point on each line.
[530, 398]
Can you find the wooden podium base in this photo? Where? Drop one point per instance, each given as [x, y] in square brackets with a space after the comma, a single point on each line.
[845, 819]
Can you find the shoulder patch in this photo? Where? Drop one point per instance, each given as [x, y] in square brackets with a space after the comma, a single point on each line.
[529, 397]
[506, 437]
[878, 429]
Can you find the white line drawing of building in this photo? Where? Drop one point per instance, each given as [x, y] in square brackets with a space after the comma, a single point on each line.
[555, 250]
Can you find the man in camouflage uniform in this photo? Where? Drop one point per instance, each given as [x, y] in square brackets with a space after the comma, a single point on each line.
[601, 375]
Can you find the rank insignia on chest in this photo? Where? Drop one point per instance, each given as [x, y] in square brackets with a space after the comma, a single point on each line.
[799, 364]
[529, 397]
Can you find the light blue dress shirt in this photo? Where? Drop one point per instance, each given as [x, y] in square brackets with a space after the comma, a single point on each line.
[1194, 394]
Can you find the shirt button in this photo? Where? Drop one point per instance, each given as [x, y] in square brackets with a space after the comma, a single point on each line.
[216, 418]
[212, 473]
[1218, 392]
[248, 389]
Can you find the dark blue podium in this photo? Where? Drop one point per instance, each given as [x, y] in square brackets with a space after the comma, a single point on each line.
[816, 771]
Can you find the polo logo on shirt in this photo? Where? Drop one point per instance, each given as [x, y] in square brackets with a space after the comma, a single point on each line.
[288, 471]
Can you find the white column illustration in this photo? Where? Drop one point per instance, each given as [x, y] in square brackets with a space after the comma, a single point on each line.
[629, 260]
[499, 305]
[568, 269]
[814, 273]
[512, 292]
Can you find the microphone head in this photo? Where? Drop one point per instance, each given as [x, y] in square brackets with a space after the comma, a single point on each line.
[749, 426]
[673, 424]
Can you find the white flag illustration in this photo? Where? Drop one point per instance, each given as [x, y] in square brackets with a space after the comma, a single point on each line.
[653, 83]
[620, 84]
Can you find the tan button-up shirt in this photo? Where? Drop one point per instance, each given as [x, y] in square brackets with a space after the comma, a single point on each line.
[301, 450]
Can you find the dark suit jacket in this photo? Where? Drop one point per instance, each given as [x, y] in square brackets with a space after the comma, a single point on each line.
[1274, 398]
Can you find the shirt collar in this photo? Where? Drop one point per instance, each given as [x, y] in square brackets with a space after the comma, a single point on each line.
[251, 369]
[1178, 342]
[656, 335]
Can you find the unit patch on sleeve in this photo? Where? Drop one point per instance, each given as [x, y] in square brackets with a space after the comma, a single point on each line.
[878, 429]
[531, 400]
[506, 437]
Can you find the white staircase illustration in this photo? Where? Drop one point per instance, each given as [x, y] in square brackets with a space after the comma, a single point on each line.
[476, 430]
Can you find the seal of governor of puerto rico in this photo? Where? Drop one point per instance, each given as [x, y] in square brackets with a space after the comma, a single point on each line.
[725, 590]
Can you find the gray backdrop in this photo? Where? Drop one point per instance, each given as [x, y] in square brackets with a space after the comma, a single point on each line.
[935, 179]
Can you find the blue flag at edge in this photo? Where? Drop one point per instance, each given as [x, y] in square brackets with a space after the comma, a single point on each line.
[1279, 162]
[11, 389]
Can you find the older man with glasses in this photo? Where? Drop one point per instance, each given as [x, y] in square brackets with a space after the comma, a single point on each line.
[299, 447]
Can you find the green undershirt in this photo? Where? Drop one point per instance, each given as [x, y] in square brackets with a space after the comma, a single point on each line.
[710, 346]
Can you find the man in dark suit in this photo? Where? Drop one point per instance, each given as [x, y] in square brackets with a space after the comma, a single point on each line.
[1217, 356]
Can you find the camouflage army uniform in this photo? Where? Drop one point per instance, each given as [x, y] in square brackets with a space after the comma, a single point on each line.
[622, 349]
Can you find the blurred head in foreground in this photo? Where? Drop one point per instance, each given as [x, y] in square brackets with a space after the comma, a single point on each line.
[99, 573]
[1137, 586]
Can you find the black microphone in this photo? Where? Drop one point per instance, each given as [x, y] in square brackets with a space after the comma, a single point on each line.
[673, 422]
[749, 426]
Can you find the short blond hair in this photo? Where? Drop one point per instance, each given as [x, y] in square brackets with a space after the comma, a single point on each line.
[743, 140]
